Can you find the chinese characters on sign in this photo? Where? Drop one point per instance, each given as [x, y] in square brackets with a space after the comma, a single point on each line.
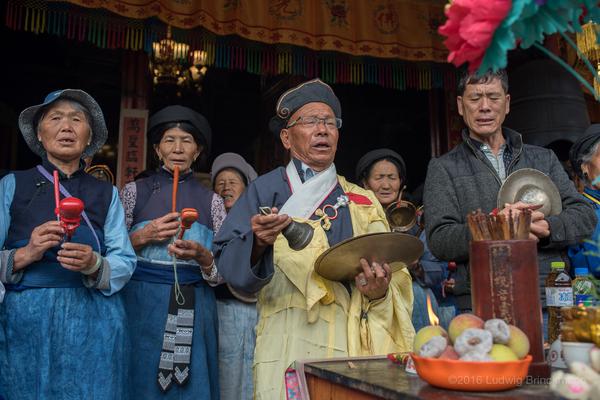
[132, 145]
[500, 279]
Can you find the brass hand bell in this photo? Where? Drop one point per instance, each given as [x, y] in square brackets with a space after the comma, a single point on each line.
[298, 234]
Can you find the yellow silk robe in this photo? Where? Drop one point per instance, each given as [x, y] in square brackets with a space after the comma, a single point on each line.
[303, 316]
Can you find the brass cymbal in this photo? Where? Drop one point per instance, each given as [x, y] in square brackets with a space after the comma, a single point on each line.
[342, 261]
[530, 186]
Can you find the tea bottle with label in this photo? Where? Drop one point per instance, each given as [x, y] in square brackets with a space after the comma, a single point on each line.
[559, 293]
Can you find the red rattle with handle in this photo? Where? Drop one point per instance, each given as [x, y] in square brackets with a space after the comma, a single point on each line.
[69, 211]
[188, 217]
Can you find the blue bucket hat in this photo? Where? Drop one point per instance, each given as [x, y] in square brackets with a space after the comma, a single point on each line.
[29, 118]
[313, 91]
[235, 161]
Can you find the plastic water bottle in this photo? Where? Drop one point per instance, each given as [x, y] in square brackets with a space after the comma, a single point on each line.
[559, 293]
[583, 287]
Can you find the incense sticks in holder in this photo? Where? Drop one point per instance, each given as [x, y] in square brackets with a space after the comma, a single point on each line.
[499, 227]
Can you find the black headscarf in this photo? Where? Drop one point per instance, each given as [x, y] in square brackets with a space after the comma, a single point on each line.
[198, 127]
[366, 162]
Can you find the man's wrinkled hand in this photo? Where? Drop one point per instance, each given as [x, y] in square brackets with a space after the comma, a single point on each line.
[266, 228]
[374, 280]
[539, 229]
[518, 207]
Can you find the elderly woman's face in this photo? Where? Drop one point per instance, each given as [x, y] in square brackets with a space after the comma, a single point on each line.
[177, 147]
[592, 169]
[314, 146]
[230, 186]
[64, 131]
[384, 181]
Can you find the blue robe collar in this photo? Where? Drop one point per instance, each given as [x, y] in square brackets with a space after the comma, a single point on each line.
[164, 171]
[51, 167]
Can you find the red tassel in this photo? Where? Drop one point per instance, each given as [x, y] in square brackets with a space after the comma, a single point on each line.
[108, 36]
[265, 62]
[120, 37]
[115, 37]
[81, 29]
[359, 199]
[122, 29]
[18, 22]
[9, 14]
[269, 69]
[27, 17]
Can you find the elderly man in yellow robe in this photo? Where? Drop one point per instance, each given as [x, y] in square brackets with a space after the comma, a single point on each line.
[301, 314]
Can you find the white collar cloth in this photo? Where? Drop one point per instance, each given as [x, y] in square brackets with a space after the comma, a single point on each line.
[308, 196]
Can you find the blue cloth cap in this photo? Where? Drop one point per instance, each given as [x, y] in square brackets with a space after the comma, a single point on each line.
[582, 146]
[313, 91]
[28, 121]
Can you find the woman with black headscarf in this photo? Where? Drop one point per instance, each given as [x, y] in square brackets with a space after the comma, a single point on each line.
[585, 160]
[171, 308]
[384, 172]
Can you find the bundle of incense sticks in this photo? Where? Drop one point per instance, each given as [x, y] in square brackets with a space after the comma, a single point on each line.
[499, 227]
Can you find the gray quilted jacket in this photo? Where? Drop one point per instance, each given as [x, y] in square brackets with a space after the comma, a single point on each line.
[463, 180]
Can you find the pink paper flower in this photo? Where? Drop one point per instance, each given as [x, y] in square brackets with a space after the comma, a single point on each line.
[470, 28]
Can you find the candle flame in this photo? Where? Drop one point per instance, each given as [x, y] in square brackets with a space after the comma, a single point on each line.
[433, 319]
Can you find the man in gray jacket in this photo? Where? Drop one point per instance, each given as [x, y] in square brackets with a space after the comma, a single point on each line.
[469, 177]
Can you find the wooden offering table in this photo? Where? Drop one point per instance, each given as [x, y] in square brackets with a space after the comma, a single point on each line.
[366, 378]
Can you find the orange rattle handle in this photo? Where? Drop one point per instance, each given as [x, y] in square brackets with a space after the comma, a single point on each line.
[175, 184]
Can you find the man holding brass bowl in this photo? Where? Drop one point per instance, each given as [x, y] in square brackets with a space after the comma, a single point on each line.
[301, 313]
[471, 175]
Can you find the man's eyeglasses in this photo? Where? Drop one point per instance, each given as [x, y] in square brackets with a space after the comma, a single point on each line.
[311, 122]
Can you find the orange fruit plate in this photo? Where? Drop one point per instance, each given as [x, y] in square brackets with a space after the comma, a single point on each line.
[472, 376]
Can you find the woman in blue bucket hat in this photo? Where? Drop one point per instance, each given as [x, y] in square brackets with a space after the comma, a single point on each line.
[62, 324]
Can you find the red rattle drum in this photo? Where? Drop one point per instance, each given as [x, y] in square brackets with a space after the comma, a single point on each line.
[188, 217]
[69, 212]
